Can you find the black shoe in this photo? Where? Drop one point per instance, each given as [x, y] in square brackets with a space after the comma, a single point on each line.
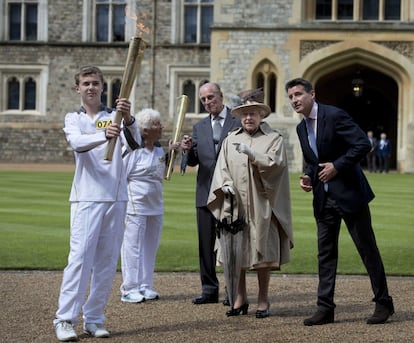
[320, 318]
[381, 314]
[263, 313]
[236, 311]
[205, 299]
[226, 301]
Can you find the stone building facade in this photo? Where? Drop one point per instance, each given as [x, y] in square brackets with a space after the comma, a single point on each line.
[337, 45]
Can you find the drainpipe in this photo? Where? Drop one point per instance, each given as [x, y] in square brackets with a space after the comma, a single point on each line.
[152, 66]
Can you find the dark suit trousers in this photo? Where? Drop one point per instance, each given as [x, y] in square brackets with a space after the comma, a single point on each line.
[360, 228]
[372, 162]
[207, 257]
[383, 164]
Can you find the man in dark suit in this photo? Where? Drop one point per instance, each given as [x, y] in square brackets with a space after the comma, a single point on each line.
[383, 153]
[202, 149]
[340, 191]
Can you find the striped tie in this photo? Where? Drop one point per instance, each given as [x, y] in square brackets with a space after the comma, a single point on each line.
[217, 128]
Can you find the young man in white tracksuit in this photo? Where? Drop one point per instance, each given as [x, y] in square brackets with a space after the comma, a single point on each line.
[98, 204]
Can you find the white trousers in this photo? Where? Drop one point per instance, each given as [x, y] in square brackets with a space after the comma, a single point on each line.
[95, 240]
[138, 252]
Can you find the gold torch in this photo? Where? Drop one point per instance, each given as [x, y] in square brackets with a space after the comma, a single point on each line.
[178, 124]
[135, 52]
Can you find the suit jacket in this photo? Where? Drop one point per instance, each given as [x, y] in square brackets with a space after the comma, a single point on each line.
[373, 150]
[340, 141]
[204, 155]
[386, 149]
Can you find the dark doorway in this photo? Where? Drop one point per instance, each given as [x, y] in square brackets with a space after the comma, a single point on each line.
[374, 105]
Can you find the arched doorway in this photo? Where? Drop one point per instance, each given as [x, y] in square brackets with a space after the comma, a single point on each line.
[374, 107]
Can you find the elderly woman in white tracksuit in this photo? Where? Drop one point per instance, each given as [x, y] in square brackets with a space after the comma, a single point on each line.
[145, 169]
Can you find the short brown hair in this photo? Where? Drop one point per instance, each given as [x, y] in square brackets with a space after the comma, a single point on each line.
[88, 70]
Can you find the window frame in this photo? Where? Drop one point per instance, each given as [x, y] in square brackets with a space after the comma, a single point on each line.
[358, 12]
[177, 76]
[110, 75]
[178, 21]
[39, 73]
[268, 70]
[42, 20]
[89, 22]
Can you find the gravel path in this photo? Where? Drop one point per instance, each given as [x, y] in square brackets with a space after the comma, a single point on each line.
[28, 302]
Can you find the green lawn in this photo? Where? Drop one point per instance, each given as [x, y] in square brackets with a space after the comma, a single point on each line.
[34, 224]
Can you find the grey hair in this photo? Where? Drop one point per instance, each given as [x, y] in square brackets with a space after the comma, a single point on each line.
[146, 117]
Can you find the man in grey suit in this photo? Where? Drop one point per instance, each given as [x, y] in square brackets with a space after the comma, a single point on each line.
[202, 149]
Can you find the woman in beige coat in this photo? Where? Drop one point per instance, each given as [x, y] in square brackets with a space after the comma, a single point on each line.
[253, 164]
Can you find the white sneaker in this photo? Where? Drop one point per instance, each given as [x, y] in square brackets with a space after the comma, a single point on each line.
[65, 332]
[133, 297]
[149, 294]
[95, 330]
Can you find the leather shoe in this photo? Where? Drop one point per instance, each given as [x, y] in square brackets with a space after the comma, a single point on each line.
[236, 311]
[320, 318]
[205, 299]
[381, 314]
[263, 313]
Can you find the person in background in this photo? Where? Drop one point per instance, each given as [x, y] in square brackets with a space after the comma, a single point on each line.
[253, 164]
[145, 170]
[202, 149]
[372, 154]
[98, 202]
[384, 153]
[184, 157]
[333, 146]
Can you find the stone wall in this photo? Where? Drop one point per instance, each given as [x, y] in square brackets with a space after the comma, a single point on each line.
[244, 34]
[38, 144]
[34, 145]
[253, 12]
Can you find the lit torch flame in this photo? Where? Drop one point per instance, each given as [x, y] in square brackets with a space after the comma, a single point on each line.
[135, 53]
[140, 18]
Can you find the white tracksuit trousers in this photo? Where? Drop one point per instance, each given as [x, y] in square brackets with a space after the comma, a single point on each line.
[139, 250]
[96, 238]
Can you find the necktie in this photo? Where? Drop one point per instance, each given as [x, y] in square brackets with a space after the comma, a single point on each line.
[310, 122]
[216, 131]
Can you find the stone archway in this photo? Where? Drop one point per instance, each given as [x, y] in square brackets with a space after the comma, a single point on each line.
[382, 104]
[374, 107]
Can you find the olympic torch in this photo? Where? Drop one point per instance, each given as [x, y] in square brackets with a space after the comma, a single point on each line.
[135, 52]
[178, 124]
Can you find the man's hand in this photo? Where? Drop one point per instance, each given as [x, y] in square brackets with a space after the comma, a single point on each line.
[328, 172]
[113, 130]
[227, 189]
[186, 143]
[243, 148]
[124, 106]
[305, 183]
[173, 146]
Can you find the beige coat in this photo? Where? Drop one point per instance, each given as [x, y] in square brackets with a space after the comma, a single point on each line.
[263, 187]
